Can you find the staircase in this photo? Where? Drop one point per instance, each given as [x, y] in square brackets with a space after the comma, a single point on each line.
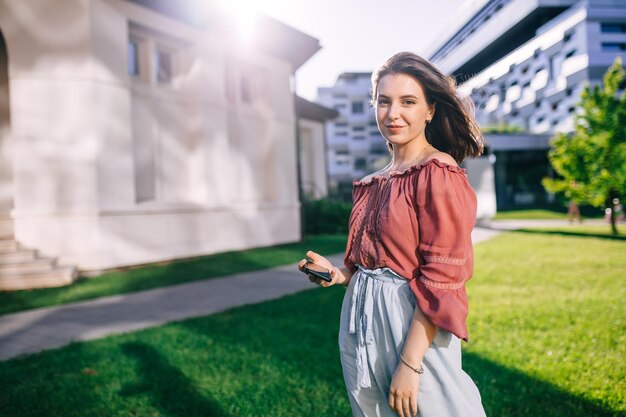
[22, 268]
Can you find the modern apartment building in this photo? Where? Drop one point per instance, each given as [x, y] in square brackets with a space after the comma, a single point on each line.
[524, 63]
[355, 146]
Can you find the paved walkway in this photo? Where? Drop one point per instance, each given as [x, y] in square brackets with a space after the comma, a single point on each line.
[53, 327]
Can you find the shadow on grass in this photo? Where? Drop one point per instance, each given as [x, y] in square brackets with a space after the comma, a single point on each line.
[509, 393]
[289, 336]
[279, 358]
[572, 233]
[167, 388]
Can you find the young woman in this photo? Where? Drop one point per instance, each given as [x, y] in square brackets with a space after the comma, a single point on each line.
[409, 252]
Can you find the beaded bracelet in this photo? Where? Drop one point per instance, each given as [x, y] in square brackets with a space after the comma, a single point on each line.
[419, 370]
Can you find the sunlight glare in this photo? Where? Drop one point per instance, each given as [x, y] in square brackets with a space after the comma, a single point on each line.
[244, 14]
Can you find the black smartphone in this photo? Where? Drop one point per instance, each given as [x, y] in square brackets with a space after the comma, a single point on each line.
[317, 271]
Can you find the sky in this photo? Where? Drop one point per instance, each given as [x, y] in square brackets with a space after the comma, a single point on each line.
[358, 36]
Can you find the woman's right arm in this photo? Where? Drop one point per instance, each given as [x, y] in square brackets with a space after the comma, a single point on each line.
[341, 275]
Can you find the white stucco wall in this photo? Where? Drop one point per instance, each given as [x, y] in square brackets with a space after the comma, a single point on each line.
[225, 171]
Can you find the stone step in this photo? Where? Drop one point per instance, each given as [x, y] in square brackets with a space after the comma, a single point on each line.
[18, 255]
[6, 228]
[24, 266]
[8, 245]
[57, 277]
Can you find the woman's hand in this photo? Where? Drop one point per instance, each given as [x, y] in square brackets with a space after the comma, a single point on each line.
[403, 391]
[335, 275]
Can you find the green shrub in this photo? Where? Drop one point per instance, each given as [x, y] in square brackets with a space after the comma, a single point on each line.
[326, 216]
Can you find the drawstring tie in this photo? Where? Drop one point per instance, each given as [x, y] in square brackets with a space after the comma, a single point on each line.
[361, 311]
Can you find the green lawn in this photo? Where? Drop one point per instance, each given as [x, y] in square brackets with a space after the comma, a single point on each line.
[547, 330]
[157, 276]
[544, 214]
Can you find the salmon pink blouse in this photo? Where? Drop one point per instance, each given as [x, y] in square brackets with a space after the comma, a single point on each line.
[418, 223]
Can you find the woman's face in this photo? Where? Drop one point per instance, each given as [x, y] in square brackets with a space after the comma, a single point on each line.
[401, 108]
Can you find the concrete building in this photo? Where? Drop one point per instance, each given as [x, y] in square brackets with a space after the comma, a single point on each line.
[141, 131]
[524, 63]
[355, 146]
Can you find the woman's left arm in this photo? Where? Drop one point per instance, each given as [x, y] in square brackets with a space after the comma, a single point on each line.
[405, 381]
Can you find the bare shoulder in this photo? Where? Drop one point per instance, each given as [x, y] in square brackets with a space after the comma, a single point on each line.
[443, 157]
[368, 177]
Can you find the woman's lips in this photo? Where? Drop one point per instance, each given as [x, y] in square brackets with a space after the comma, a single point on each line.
[394, 128]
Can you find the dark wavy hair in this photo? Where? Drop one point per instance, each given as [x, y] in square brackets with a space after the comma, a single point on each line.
[453, 128]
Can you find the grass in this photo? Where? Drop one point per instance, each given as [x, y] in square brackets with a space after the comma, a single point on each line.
[543, 214]
[178, 272]
[547, 336]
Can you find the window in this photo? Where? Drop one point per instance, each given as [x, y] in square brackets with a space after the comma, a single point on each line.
[571, 109]
[341, 134]
[133, 57]
[358, 129]
[613, 27]
[341, 124]
[341, 152]
[570, 53]
[540, 119]
[339, 107]
[359, 138]
[613, 46]
[568, 92]
[567, 36]
[163, 66]
[246, 90]
[357, 107]
[373, 123]
[555, 106]
[360, 164]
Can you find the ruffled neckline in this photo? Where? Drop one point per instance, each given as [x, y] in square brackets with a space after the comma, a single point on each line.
[408, 171]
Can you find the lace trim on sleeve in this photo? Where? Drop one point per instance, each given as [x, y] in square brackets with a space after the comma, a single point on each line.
[445, 260]
[441, 285]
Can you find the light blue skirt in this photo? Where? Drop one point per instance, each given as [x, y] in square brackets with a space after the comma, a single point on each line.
[375, 317]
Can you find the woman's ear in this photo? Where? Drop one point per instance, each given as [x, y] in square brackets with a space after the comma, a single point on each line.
[431, 111]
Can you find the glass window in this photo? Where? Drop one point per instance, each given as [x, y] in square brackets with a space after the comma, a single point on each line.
[613, 46]
[613, 27]
[163, 66]
[246, 90]
[359, 138]
[357, 107]
[133, 57]
[360, 163]
[358, 128]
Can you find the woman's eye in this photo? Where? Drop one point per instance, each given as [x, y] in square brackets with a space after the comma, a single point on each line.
[409, 102]
[382, 102]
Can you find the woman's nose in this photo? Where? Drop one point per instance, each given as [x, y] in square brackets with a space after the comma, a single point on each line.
[393, 113]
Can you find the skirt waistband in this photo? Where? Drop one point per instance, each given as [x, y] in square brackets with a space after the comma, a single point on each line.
[383, 274]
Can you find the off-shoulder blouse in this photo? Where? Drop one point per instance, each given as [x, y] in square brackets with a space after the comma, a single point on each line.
[418, 223]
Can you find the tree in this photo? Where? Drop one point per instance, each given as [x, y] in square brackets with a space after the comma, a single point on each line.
[592, 160]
